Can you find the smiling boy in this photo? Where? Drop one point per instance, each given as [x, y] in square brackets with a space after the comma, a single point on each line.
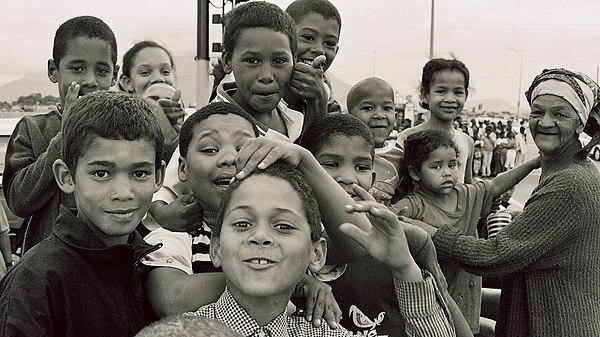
[84, 280]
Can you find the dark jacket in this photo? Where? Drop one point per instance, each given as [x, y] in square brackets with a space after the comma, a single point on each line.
[72, 284]
[28, 182]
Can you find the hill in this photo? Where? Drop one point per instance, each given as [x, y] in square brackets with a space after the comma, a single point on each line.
[31, 83]
[493, 105]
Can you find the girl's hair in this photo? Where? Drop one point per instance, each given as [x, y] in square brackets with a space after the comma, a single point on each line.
[131, 54]
[434, 66]
[282, 170]
[417, 149]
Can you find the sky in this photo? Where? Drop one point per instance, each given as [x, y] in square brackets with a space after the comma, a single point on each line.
[384, 38]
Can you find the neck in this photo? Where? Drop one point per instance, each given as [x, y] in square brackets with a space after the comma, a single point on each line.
[262, 309]
[553, 162]
[441, 125]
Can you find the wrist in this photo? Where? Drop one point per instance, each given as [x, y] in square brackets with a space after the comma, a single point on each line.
[9, 264]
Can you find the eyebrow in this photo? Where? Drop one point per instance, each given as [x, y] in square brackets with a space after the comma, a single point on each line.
[210, 132]
[277, 209]
[110, 164]
[337, 156]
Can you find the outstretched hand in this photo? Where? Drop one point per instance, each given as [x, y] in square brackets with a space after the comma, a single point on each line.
[384, 240]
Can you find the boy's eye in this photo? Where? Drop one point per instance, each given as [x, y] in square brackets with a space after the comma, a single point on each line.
[103, 71]
[363, 167]
[101, 174]
[367, 108]
[76, 69]
[330, 44]
[141, 174]
[251, 61]
[280, 61]
[330, 165]
[389, 108]
[284, 226]
[459, 92]
[307, 37]
[436, 166]
[209, 150]
[241, 224]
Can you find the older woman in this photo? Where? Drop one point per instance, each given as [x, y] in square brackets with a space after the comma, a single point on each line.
[550, 254]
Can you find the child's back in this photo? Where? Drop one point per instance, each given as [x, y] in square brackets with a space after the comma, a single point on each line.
[83, 280]
[84, 54]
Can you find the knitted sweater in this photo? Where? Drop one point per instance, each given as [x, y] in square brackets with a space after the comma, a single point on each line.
[550, 255]
[28, 182]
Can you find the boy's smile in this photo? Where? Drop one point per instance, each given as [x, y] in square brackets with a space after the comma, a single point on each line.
[265, 243]
[262, 63]
[210, 161]
[113, 186]
[87, 61]
[317, 36]
[375, 107]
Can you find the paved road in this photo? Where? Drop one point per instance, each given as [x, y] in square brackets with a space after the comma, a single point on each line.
[525, 187]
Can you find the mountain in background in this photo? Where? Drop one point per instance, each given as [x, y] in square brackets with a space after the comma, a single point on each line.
[494, 105]
[32, 83]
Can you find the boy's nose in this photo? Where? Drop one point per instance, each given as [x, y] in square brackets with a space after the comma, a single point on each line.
[89, 79]
[227, 158]
[346, 176]
[260, 236]
[122, 189]
[266, 75]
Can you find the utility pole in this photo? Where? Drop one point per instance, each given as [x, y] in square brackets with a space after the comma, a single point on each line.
[520, 79]
[431, 30]
[202, 58]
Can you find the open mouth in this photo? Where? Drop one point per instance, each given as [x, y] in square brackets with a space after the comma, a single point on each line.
[306, 61]
[259, 261]
[223, 182]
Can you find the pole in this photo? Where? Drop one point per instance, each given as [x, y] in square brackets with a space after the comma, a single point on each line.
[202, 58]
[520, 80]
[431, 31]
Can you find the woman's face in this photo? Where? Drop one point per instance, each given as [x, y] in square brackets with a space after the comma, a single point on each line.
[554, 124]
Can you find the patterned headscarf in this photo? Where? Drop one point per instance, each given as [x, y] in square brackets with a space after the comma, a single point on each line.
[576, 88]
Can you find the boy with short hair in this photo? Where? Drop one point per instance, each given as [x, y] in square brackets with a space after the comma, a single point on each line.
[372, 101]
[84, 280]
[269, 235]
[345, 147]
[259, 48]
[84, 59]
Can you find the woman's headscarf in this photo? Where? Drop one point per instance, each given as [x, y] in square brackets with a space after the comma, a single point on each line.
[576, 88]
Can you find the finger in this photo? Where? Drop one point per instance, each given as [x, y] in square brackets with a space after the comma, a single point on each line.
[319, 62]
[176, 96]
[362, 193]
[355, 233]
[249, 156]
[333, 313]
[318, 308]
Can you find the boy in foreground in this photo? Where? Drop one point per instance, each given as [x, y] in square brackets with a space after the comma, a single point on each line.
[269, 235]
[84, 280]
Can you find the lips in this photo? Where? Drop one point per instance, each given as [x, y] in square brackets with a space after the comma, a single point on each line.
[122, 214]
[259, 263]
[222, 181]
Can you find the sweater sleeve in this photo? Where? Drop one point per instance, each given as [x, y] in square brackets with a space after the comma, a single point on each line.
[549, 220]
[28, 180]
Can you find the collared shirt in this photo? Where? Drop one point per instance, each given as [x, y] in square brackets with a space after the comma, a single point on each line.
[421, 304]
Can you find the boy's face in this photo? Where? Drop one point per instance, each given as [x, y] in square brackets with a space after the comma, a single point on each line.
[375, 107]
[439, 173]
[262, 63]
[210, 161]
[348, 160]
[151, 65]
[265, 245]
[86, 61]
[113, 186]
[317, 36]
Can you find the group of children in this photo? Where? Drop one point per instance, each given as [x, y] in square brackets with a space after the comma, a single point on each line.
[257, 204]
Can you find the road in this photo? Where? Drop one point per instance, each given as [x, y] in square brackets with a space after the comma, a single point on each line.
[525, 187]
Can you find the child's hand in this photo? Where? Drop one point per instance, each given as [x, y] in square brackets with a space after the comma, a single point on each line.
[173, 109]
[184, 214]
[320, 302]
[307, 80]
[384, 240]
[70, 98]
[217, 70]
[262, 152]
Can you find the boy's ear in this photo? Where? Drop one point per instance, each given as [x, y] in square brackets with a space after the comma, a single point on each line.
[373, 177]
[414, 173]
[113, 81]
[319, 255]
[215, 250]
[160, 176]
[226, 60]
[52, 71]
[126, 83]
[181, 170]
[63, 176]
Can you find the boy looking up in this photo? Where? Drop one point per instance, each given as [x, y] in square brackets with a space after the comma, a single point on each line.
[260, 48]
[372, 101]
[267, 237]
[84, 280]
[84, 59]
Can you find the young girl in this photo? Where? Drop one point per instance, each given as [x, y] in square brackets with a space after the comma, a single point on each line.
[148, 70]
[444, 90]
[432, 162]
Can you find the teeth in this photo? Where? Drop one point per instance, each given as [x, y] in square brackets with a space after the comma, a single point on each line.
[305, 61]
[259, 261]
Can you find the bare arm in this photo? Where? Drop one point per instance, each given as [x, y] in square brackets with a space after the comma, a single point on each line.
[507, 180]
[469, 163]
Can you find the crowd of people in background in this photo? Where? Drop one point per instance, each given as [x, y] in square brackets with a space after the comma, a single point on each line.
[269, 211]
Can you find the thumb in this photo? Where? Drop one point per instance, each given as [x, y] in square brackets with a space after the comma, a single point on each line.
[319, 62]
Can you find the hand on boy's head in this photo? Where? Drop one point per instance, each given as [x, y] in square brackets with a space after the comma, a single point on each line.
[262, 152]
[385, 240]
[320, 302]
[173, 110]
